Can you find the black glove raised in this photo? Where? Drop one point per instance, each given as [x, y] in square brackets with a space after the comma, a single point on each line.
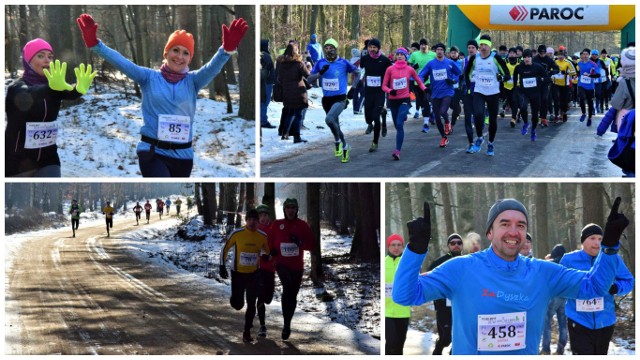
[323, 69]
[613, 289]
[393, 92]
[416, 66]
[616, 223]
[450, 81]
[350, 93]
[420, 232]
[223, 272]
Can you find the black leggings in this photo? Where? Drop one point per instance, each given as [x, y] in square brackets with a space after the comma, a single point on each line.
[290, 280]
[242, 284]
[467, 105]
[561, 99]
[585, 341]
[534, 100]
[265, 293]
[493, 104]
[74, 224]
[544, 99]
[511, 97]
[373, 105]
[440, 108]
[155, 165]
[395, 334]
[443, 321]
[588, 95]
[422, 100]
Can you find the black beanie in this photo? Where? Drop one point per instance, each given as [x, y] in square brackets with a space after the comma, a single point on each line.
[375, 42]
[542, 49]
[473, 43]
[527, 53]
[504, 205]
[415, 45]
[453, 236]
[590, 229]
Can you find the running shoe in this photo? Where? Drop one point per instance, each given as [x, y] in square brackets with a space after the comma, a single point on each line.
[544, 122]
[582, 117]
[338, 150]
[373, 147]
[513, 123]
[396, 154]
[345, 154]
[490, 149]
[447, 129]
[246, 337]
[525, 127]
[286, 332]
[416, 115]
[369, 129]
[502, 113]
[589, 122]
[425, 128]
[476, 146]
[443, 142]
[384, 130]
[263, 331]
[470, 149]
[533, 134]
[564, 117]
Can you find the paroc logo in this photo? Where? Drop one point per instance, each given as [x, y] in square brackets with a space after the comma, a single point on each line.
[518, 13]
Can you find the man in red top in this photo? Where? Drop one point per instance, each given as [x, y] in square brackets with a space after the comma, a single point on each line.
[266, 272]
[288, 238]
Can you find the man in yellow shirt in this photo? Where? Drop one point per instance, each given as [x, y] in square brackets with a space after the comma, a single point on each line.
[561, 85]
[247, 243]
[108, 215]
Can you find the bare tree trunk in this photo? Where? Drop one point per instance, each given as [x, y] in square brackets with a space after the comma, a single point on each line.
[246, 65]
[313, 218]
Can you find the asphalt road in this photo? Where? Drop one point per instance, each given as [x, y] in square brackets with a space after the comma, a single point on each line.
[89, 295]
[569, 149]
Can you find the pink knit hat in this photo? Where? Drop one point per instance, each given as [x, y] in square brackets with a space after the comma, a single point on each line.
[33, 47]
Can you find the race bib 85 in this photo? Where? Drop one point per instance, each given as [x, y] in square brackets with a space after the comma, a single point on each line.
[174, 128]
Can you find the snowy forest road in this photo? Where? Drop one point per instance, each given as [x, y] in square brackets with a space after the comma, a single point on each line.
[91, 295]
[570, 149]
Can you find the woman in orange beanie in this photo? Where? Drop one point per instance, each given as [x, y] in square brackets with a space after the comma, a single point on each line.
[168, 95]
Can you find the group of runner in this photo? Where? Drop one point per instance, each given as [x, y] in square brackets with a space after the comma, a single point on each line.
[508, 297]
[536, 85]
[261, 248]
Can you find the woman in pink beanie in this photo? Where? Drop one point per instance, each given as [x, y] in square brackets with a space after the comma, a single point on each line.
[32, 105]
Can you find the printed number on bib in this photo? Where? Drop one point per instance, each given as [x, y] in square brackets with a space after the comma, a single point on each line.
[248, 259]
[502, 332]
[289, 249]
[330, 84]
[590, 305]
[374, 81]
[399, 84]
[486, 80]
[440, 74]
[388, 288]
[529, 82]
[174, 128]
[585, 79]
[40, 134]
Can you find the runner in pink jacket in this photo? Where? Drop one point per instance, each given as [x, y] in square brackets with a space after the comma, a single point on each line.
[396, 83]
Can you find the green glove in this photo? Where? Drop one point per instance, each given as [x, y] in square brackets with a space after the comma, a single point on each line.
[56, 76]
[84, 78]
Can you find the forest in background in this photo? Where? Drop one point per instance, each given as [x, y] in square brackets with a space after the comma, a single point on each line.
[349, 209]
[400, 25]
[139, 32]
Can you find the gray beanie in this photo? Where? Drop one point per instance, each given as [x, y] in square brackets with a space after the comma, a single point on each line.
[504, 205]
[628, 57]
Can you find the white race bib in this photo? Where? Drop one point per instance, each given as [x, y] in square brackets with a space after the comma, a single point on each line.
[289, 249]
[248, 259]
[399, 84]
[486, 80]
[558, 76]
[40, 134]
[174, 128]
[440, 74]
[374, 81]
[590, 305]
[502, 332]
[388, 288]
[585, 79]
[529, 82]
[330, 84]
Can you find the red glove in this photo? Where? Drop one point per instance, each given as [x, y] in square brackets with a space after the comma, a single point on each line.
[89, 29]
[232, 35]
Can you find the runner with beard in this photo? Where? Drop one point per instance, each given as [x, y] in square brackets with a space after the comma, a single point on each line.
[374, 65]
[443, 306]
[332, 73]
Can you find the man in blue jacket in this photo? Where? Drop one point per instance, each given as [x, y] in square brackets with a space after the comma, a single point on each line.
[592, 318]
[501, 305]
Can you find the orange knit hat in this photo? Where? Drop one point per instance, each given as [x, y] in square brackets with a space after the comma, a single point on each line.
[180, 37]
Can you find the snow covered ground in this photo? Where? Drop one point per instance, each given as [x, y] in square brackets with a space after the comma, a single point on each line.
[354, 314]
[98, 137]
